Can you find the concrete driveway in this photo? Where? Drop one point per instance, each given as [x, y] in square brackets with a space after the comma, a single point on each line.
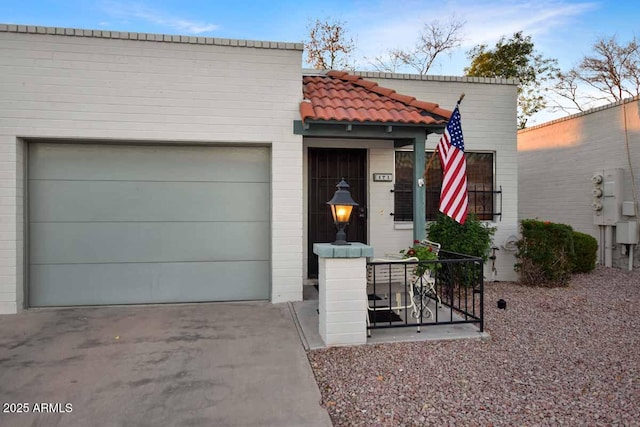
[189, 365]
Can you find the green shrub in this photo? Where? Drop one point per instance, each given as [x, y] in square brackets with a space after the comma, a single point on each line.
[545, 253]
[473, 238]
[586, 250]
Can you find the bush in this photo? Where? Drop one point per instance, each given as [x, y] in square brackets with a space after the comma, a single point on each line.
[472, 238]
[586, 250]
[545, 253]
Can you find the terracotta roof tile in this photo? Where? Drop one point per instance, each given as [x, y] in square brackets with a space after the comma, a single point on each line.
[425, 105]
[345, 97]
[306, 109]
[367, 84]
[402, 98]
[337, 74]
[442, 112]
[382, 90]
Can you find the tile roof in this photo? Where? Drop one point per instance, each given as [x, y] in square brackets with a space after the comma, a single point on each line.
[339, 96]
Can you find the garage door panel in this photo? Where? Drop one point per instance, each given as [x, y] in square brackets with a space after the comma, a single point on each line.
[117, 224]
[148, 163]
[91, 284]
[148, 201]
[72, 243]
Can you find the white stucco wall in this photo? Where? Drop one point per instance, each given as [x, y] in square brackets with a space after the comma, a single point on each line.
[87, 86]
[556, 161]
[489, 124]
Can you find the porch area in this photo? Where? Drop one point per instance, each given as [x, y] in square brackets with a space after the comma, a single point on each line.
[446, 303]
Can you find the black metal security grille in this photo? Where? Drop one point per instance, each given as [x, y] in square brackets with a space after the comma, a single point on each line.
[397, 297]
[484, 199]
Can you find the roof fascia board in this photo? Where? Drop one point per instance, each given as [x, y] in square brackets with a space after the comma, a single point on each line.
[364, 130]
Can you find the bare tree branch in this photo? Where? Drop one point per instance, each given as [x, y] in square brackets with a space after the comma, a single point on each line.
[385, 64]
[567, 87]
[612, 70]
[329, 46]
[435, 39]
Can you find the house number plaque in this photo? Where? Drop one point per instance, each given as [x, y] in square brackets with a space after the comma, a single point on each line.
[382, 177]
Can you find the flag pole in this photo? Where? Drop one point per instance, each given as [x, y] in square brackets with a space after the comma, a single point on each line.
[433, 156]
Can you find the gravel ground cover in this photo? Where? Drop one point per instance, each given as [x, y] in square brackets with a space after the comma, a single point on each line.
[563, 356]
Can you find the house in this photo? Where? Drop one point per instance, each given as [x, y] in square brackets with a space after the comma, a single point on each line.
[580, 170]
[145, 168]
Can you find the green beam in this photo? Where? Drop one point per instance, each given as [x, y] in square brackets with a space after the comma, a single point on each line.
[401, 133]
[363, 130]
[419, 191]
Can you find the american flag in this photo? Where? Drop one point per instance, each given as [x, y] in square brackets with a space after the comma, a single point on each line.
[454, 200]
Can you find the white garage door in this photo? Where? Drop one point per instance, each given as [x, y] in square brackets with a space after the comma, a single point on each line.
[126, 224]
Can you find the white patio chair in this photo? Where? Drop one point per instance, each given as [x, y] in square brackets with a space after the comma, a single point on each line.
[416, 288]
[431, 291]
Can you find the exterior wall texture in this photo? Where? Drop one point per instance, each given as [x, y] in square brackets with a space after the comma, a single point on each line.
[85, 86]
[556, 161]
[488, 123]
[342, 300]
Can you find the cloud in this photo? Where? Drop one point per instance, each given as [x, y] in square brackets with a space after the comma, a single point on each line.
[139, 11]
[487, 24]
[401, 21]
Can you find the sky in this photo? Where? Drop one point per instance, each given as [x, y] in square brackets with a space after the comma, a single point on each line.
[562, 29]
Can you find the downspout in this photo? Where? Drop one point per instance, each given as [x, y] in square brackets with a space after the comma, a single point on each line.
[601, 244]
[419, 191]
[633, 178]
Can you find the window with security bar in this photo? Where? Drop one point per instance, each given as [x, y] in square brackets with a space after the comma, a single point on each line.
[483, 196]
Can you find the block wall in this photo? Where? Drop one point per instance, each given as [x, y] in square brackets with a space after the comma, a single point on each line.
[556, 161]
[82, 85]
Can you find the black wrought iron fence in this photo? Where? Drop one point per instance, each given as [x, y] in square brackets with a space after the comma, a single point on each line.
[451, 291]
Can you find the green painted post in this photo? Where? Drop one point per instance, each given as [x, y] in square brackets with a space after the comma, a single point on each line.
[419, 192]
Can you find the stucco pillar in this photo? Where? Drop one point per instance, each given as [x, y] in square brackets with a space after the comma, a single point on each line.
[342, 284]
[419, 191]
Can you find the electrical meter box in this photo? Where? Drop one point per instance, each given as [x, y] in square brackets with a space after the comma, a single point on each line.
[607, 196]
[627, 233]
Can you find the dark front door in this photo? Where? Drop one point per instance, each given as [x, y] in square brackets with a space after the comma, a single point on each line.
[327, 166]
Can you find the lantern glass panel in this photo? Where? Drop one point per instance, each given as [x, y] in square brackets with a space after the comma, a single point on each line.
[341, 213]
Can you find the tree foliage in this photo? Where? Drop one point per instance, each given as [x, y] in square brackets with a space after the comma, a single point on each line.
[435, 39]
[612, 71]
[516, 58]
[329, 45]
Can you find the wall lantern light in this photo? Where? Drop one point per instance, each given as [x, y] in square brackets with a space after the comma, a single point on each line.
[341, 206]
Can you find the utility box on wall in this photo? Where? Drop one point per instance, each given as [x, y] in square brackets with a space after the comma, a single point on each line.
[629, 208]
[607, 196]
[627, 233]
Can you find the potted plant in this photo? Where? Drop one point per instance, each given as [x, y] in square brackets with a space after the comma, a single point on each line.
[423, 253]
